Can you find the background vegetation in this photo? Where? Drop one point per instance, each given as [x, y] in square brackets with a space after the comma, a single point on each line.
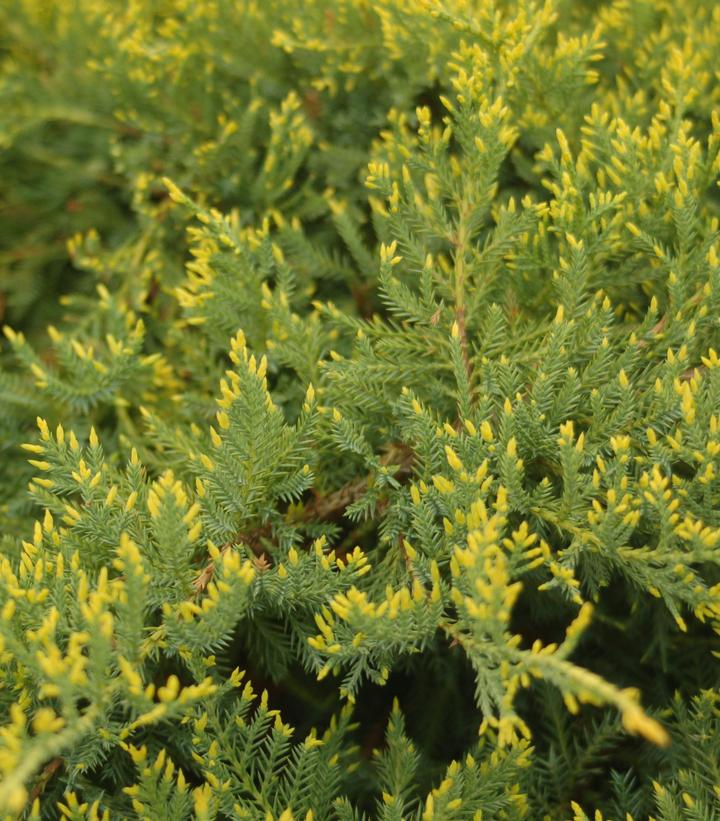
[359, 375]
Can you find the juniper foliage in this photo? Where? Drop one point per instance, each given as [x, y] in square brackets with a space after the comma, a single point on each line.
[364, 360]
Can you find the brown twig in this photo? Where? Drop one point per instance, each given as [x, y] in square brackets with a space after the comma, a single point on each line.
[334, 504]
[253, 540]
[321, 508]
[654, 331]
[46, 774]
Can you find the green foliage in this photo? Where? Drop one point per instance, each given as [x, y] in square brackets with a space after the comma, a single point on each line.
[360, 410]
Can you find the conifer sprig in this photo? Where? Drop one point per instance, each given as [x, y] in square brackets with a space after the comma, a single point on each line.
[359, 410]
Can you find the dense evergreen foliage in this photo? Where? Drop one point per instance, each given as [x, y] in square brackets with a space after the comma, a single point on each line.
[360, 409]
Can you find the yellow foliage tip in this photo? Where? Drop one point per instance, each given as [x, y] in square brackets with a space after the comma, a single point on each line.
[636, 721]
[453, 459]
[176, 195]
